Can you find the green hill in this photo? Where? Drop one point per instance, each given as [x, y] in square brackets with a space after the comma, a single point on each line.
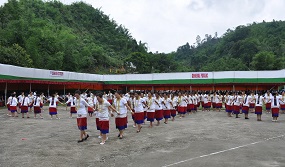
[253, 47]
[52, 35]
[78, 37]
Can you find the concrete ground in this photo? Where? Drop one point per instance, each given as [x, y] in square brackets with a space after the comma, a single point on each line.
[201, 139]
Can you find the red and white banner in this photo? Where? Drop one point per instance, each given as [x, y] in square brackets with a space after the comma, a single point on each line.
[56, 73]
[200, 75]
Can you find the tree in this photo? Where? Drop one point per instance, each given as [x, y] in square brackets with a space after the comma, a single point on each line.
[140, 61]
[264, 61]
[198, 40]
[15, 55]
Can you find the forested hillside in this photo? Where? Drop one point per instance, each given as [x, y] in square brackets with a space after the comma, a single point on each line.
[78, 37]
[52, 35]
[253, 47]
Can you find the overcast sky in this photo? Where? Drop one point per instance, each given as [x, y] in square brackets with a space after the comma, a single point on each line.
[166, 24]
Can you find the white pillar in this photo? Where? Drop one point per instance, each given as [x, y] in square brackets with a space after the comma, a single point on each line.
[6, 94]
[64, 90]
[30, 87]
[48, 90]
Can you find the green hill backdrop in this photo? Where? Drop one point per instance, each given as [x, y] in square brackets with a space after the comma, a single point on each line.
[78, 37]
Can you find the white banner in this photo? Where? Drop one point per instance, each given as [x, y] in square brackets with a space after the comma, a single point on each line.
[56, 73]
[200, 75]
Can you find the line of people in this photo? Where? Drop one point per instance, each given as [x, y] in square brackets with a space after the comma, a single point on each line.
[146, 106]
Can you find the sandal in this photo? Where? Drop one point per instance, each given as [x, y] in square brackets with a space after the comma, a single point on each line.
[86, 137]
[139, 130]
[79, 141]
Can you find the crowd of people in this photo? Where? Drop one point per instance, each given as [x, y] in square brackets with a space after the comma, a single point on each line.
[145, 106]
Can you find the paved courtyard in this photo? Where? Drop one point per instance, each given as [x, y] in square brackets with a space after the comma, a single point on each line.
[201, 139]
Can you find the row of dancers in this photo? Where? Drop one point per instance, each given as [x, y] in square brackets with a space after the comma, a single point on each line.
[150, 106]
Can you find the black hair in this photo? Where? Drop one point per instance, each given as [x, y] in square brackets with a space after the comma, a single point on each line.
[100, 94]
[77, 92]
[119, 92]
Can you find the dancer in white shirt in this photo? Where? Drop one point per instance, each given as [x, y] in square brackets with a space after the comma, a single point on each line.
[81, 105]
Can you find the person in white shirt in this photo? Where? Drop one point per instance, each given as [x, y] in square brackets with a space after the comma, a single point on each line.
[25, 106]
[37, 106]
[52, 106]
[144, 106]
[267, 99]
[245, 104]
[90, 101]
[103, 107]
[198, 97]
[229, 103]
[150, 101]
[251, 104]
[8, 105]
[80, 105]
[173, 106]
[182, 105]
[166, 107]
[207, 104]
[131, 104]
[31, 100]
[202, 97]
[68, 102]
[190, 105]
[13, 105]
[210, 97]
[20, 99]
[282, 104]
[236, 102]
[110, 97]
[158, 109]
[139, 113]
[219, 102]
[71, 102]
[259, 101]
[275, 105]
[121, 105]
[42, 97]
[105, 96]
[195, 102]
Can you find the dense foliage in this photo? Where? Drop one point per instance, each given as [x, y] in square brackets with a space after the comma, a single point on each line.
[78, 37]
[253, 47]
